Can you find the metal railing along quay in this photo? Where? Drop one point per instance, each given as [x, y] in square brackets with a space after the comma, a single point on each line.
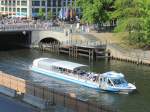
[51, 96]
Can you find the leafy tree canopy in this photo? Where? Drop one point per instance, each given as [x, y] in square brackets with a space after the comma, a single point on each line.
[41, 13]
[133, 17]
[49, 15]
[94, 11]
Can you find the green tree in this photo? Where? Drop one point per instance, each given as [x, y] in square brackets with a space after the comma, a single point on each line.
[41, 13]
[133, 17]
[95, 11]
[147, 22]
[49, 15]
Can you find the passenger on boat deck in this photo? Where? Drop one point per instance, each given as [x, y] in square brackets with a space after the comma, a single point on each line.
[74, 72]
[94, 78]
[82, 73]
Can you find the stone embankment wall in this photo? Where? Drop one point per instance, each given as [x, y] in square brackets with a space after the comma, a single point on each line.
[134, 56]
[44, 98]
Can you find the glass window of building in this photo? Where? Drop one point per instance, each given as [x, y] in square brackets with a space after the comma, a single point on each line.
[24, 10]
[35, 10]
[64, 3]
[59, 9]
[24, 3]
[49, 9]
[6, 9]
[9, 9]
[2, 9]
[54, 11]
[18, 9]
[54, 3]
[5, 2]
[43, 10]
[2, 2]
[14, 9]
[18, 2]
[9, 2]
[14, 2]
[35, 3]
[59, 3]
[49, 3]
[43, 3]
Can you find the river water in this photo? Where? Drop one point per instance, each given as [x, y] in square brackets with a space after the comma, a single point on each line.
[17, 62]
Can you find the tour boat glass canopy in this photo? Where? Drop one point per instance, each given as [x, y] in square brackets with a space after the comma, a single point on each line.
[59, 63]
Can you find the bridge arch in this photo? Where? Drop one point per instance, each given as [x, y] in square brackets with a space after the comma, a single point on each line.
[49, 40]
[47, 36]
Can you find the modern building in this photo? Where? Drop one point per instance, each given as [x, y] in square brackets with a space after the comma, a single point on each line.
[18, 8]
[30, 8]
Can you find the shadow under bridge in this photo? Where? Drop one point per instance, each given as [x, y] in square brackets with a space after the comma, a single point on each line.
[48, 42]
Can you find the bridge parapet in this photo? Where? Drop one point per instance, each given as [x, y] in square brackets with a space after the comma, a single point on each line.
[40, 27]
[29, 27]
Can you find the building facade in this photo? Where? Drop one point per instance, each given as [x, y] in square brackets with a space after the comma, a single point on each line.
[30, 8]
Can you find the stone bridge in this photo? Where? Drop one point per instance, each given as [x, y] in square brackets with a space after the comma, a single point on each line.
[32, 35]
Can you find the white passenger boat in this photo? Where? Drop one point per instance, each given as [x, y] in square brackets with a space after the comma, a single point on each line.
[76, 73]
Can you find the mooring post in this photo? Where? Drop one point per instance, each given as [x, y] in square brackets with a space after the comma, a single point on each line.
[69, 50]
[92, 54]
[58, 48]
[53, 47]
[76, 51]
[50, 47]
[89, 54]
[73, 51]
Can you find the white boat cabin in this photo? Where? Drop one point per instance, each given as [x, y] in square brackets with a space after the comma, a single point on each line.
[66, 68]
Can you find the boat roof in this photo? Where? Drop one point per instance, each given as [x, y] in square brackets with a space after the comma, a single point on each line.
[112, 74]
[60, 63]
[68, 65]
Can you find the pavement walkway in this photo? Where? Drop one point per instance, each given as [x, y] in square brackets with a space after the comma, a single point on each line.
[8, 104]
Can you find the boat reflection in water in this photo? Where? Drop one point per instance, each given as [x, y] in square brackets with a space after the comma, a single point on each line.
[77, 73]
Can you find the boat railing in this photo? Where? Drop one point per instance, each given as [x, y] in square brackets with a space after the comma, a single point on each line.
[86, 77]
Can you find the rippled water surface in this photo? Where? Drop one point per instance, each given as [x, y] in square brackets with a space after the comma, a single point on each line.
[17, 62]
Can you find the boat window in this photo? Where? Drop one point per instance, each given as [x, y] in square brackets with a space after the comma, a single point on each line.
[104, 79]
[100, 79]
[109, 82]
[118, 81]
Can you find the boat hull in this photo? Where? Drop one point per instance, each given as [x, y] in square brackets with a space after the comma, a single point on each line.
[120, 90]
